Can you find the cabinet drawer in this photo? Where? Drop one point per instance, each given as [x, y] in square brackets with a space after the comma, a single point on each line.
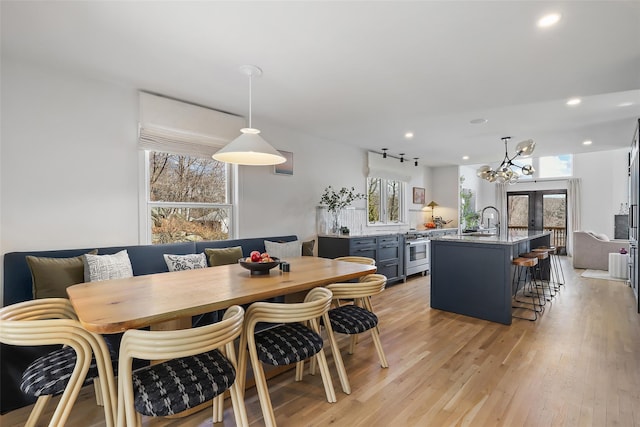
[391, 270]
[389, 240]
[389, 252]
[365, 252]
[366, 242]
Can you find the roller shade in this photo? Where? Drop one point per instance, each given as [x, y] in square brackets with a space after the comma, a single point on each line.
[179, 127]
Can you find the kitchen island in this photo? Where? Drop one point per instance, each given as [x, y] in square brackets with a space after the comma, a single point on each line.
[472, 274]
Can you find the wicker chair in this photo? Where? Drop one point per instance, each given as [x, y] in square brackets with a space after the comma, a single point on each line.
[358, 259]
[294, 338]
[202, 366]
[84, 356]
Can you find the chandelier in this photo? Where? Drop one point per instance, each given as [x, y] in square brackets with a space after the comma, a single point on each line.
[507, 172]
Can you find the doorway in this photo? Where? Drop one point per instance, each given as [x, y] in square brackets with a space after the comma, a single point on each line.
[539, 210]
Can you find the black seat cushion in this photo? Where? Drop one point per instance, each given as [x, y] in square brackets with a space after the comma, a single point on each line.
[179, 384]
[287, 343]
[351, 319]
[49, 374]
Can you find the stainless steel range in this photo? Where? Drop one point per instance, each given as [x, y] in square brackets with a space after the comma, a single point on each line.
[416, 253]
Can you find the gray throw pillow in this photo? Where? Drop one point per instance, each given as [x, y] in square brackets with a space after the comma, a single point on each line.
[307, 248]
[107, 267]
[223, 256]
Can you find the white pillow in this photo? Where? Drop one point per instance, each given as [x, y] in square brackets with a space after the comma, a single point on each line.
[603, 237]
[185, 262]
[107, 267]
[283, 250]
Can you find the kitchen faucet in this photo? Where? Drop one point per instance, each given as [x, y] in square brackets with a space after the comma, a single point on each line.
[488, 220]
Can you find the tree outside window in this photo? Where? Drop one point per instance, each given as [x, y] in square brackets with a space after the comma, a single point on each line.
[384, 201]
[188, 198]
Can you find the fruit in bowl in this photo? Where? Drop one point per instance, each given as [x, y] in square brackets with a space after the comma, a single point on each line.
[262, 266]
[256, 256]
[430, 225]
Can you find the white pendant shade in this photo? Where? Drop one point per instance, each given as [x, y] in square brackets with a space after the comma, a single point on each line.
[249, 149]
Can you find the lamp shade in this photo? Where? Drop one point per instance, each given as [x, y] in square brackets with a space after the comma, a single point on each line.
[525, 148]
[249, 149]
[432, 204]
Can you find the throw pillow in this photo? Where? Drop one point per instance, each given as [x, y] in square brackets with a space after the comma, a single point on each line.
[223, 256]
[283, 250]
[307, 248]
[107, 267]
[185, 262]
[603, 237]
[50, 277]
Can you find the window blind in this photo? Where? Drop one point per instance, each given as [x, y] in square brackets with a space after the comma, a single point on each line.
[179, 127]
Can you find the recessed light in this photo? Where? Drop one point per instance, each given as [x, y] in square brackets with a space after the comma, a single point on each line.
[478, 121]
[574, 101]
[587, 142]
[549, 20]
[408, 135]
[465, 157]
[625, 104]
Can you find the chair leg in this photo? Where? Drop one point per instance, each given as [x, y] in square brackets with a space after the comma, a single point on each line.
[326, 376]
[352, 343]
[337, 356]
[38, 409]
[218, 408]
[300, 370]
[375, 337]
[239, 410]
[263, 391]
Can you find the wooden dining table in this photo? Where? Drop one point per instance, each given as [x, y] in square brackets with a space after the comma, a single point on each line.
[169, 300]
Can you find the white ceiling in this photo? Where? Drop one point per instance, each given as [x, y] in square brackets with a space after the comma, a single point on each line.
[364, 73]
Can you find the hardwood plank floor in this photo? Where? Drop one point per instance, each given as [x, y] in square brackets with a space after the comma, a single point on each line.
[578, 365]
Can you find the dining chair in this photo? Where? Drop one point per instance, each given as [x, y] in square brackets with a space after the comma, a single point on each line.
[358, 259]
[293, 337]
[198, 365]
[353, 312]
[64, 371]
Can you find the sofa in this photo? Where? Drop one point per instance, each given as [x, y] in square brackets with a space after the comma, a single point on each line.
[145, 259]
[591, 250]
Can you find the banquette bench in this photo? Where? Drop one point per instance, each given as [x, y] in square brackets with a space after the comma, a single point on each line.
[145, 259]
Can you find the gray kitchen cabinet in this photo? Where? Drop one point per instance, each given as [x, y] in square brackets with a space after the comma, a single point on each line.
[387, 250]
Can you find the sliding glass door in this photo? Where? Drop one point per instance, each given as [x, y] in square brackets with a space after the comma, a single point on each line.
[539, 210]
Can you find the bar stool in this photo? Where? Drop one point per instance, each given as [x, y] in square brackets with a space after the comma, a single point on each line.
[543, 260]
[526, 266]
[556, 263]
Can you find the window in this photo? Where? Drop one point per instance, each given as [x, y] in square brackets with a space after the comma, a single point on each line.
[188, 198]
[548, 167]
[385, 201]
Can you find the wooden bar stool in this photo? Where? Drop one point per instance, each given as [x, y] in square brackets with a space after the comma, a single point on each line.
[526, 266]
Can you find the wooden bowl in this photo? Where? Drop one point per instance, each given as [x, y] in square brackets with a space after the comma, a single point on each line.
[259, 268]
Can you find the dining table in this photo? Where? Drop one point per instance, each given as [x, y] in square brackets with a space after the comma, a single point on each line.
[169, 300]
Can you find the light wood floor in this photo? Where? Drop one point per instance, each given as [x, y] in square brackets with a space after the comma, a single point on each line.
[579, 365]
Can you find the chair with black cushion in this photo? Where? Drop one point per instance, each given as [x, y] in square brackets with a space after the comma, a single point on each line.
[357, 316]
[357, 259]
[198, 365]
[64, 371]
[293, 337]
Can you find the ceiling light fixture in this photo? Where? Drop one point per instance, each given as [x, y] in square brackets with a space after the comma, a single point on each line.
[478, 121]
[384, 153]
[408, 135]
[504, 172]
[587, 142]
[574, 101]
[249, 148]
[401, 157]
[415, 161]
[465, 157]
[549, 20]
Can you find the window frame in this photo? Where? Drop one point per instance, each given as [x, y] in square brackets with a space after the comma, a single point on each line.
[146, 205]
[402, 203]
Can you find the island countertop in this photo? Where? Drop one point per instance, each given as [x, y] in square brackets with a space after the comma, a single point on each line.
[512, 237]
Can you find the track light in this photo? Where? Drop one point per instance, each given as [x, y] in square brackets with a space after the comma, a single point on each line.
[401, 157]
[384, 153]
[415, 163]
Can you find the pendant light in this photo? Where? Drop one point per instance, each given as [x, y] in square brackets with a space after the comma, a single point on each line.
[505, 173]
[249, 148]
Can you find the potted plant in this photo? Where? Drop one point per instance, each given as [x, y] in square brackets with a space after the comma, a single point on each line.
[336, 201]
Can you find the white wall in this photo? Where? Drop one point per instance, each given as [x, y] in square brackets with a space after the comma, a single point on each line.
[445, 192]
